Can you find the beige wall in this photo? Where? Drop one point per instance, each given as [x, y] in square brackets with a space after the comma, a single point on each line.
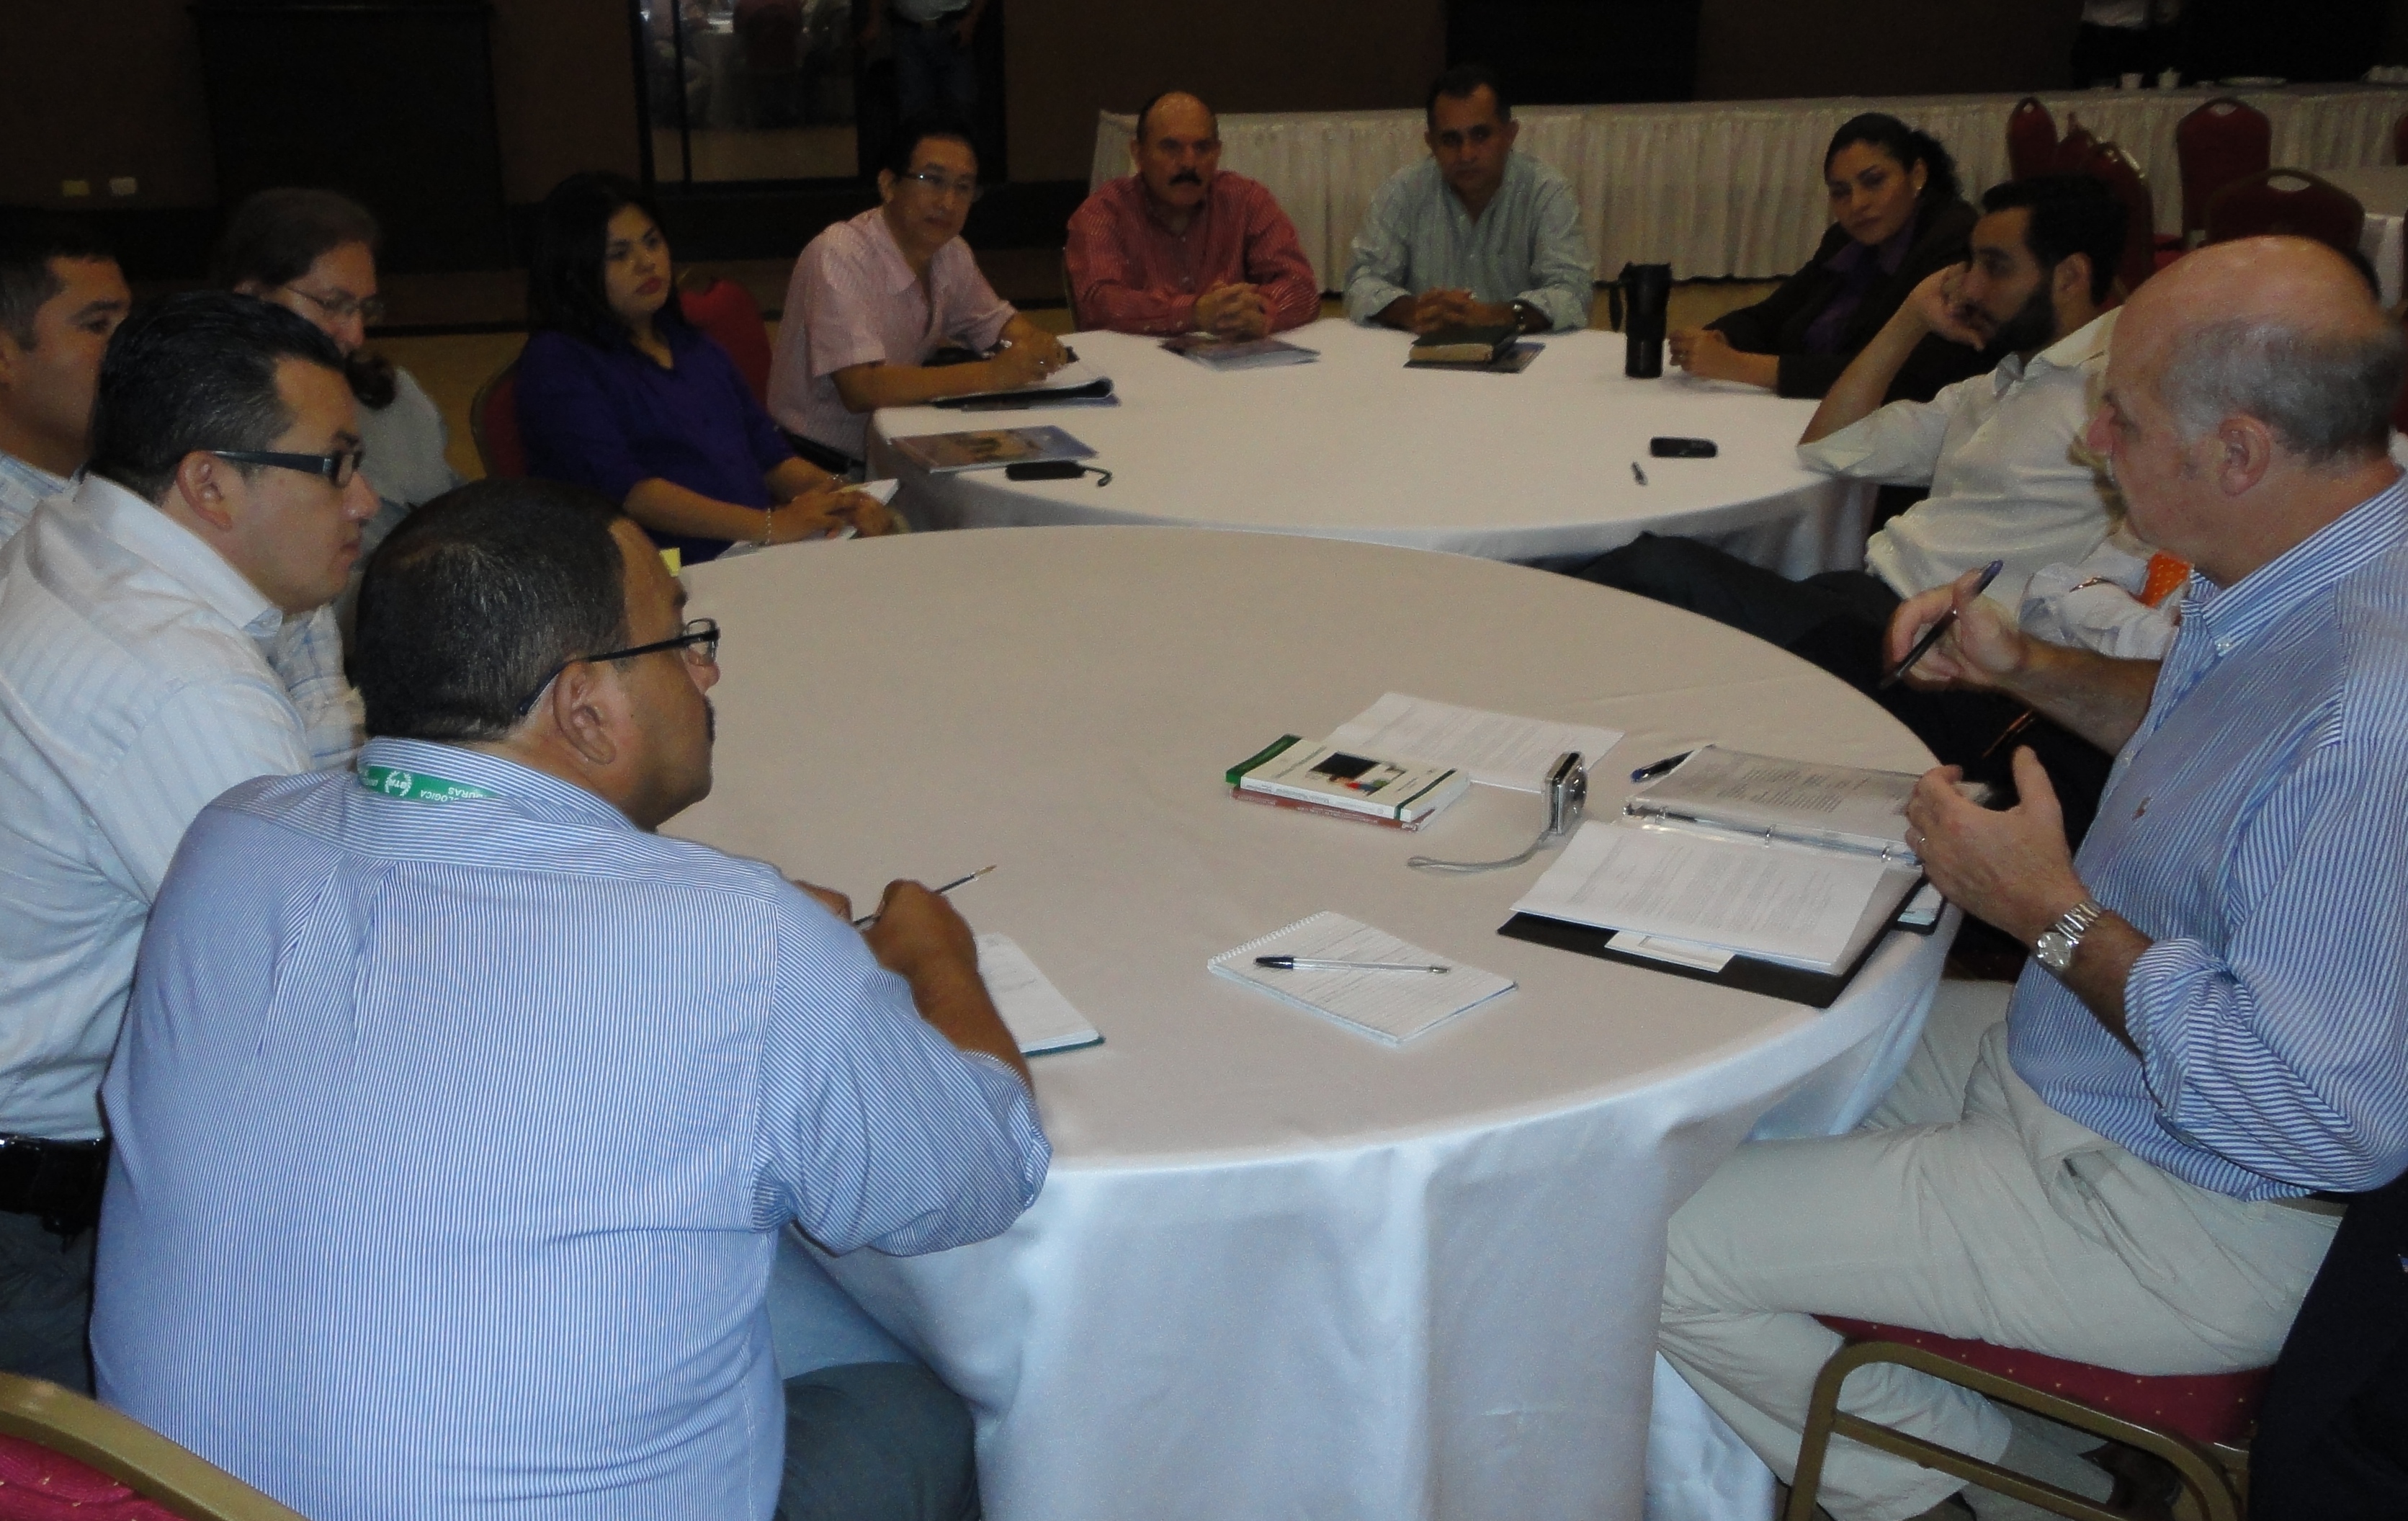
[94, 89]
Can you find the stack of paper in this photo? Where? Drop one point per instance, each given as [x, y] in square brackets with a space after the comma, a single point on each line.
[1040, 1018]
[1391, 1006]
[1498, 750]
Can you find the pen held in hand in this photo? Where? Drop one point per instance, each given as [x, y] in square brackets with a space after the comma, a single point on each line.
[1939, 626]
[1637, 474]
[1317, 964]
[868, 919]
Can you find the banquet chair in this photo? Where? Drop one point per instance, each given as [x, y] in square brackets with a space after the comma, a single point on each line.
[2221, 142]
[2074, 149]
[2112, 166]
[727, 311]
[2290, 201]
[493, 423]
[2031, 139]
[64, 1455]
[2197, 1424]
[1070, 296]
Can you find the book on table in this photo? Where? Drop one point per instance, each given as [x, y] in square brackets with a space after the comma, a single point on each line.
[1464, 345]
[1321, 778]
[1759, 871]
[989, 449]
[1219, 354]
[1075, 384]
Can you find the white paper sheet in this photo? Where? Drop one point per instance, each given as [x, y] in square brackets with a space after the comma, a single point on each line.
[1393, 1006]
[1787, 905]
[1040, 1019]
[1497, 749]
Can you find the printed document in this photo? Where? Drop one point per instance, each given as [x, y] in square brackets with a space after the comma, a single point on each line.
[1497, 748]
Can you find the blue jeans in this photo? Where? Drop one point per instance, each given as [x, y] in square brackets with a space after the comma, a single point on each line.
[933, 71]
[871, 1435]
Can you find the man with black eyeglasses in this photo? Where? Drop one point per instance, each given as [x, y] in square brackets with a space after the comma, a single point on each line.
[462, 1117]
[163, 637]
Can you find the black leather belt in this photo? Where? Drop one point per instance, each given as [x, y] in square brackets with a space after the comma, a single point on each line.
[59, 1181]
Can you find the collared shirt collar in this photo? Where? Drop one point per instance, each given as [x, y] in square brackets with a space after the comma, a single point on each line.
[2227, 616]
[32, 477]
[1195, 219]
[503, 778]
[2073, 350]
[145, 530]
[1455, 202]
[899, 277]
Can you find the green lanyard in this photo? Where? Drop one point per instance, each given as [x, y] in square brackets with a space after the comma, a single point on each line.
[392, 782]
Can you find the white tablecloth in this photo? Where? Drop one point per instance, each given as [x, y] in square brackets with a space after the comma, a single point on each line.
[1279, 1268]
[1735, 187]
[2383, 190]
[1356, 446]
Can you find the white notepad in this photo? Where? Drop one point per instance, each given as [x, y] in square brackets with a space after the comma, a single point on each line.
[1040, 1018]
[1391, 1006]
[1499, 749]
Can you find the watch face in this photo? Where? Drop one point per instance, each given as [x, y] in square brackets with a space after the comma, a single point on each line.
[2054, 949]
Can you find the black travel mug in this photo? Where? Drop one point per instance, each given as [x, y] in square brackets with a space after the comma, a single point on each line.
[1648, 290]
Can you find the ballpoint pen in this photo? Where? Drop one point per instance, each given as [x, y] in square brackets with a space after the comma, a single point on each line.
[1650, 773]
[1939, 626]
[1637, 474]
[1318, 964]
[868, 919]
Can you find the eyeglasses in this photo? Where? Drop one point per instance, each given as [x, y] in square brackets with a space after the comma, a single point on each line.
[968, 189]
[700, 633]
[338, 467]
[343, 306]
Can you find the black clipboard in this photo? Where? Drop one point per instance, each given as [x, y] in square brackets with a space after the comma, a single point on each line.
[1749, 974]
[1023, 400]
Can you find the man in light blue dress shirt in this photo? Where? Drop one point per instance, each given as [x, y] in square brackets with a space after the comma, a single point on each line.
[459, 1115]
[2131, 1167]
[61, 296]
[1476, 234]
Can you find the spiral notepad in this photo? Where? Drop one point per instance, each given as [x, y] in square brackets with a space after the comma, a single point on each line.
[1390, 1006]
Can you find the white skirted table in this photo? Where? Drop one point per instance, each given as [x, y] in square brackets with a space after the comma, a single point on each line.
[1518, 467]
[1735, 187]
[2383, 190]
[1281, 1269]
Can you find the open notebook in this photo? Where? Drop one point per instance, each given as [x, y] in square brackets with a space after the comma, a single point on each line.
[1391, 1006]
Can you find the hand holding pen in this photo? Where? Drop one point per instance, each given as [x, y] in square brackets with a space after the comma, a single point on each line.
[1955, 605]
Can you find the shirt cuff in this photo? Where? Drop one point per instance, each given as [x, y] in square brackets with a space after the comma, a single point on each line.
[2161, 1009]
[1366, 299]
[1015, 1111]
[1840, 452]
[1563, 310]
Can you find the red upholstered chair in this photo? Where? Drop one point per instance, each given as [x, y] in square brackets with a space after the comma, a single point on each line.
[2222, 141]
[2114, 167]
[2074, 149]
[2031, 139]
[728, 313]
[493, 423]
[65, 1458]
[2286, 201]
[2196, 1424]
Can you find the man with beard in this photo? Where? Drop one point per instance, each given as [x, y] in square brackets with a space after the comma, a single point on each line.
[1181, 246]
[2002, 455]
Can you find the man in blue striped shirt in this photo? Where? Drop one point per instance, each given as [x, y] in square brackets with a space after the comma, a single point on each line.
[458, 1113]
[2214, 1027]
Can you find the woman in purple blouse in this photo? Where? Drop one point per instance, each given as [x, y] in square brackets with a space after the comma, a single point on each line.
[617, 391]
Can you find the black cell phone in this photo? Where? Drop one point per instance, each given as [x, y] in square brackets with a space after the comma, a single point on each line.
[1046, 469]
[1681, 448]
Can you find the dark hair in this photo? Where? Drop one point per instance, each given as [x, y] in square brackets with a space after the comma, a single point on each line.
[1146, 109]
[2070, 214]
[476, 597]
[904, 147]
[29, 240]
[190, 372]
[1904, 144]
[564, 289]
[272, 239]
[1462, 83]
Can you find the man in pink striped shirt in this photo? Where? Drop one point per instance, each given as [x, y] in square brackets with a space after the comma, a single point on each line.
[1180, 246]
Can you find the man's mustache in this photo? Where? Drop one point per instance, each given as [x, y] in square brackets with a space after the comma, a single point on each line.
[1186, 176]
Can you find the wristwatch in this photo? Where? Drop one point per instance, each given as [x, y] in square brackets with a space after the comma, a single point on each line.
[2057, 943]
[1529, 318]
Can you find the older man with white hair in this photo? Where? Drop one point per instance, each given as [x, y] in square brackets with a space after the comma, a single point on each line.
[2213, 1028]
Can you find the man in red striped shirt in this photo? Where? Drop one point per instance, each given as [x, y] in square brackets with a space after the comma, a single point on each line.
[1180, 247]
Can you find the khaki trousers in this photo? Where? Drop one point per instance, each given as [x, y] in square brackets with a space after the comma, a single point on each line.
[1965, 1206]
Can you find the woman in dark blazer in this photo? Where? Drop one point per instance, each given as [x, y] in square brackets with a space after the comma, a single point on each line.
[1896, 217]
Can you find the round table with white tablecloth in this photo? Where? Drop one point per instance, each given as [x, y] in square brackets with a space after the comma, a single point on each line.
[1356, 446]
[1280, 1268]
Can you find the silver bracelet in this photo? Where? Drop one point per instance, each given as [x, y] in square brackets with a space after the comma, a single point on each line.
[768, 523]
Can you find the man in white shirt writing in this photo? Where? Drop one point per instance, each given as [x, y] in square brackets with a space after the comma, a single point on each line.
[142, 618]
